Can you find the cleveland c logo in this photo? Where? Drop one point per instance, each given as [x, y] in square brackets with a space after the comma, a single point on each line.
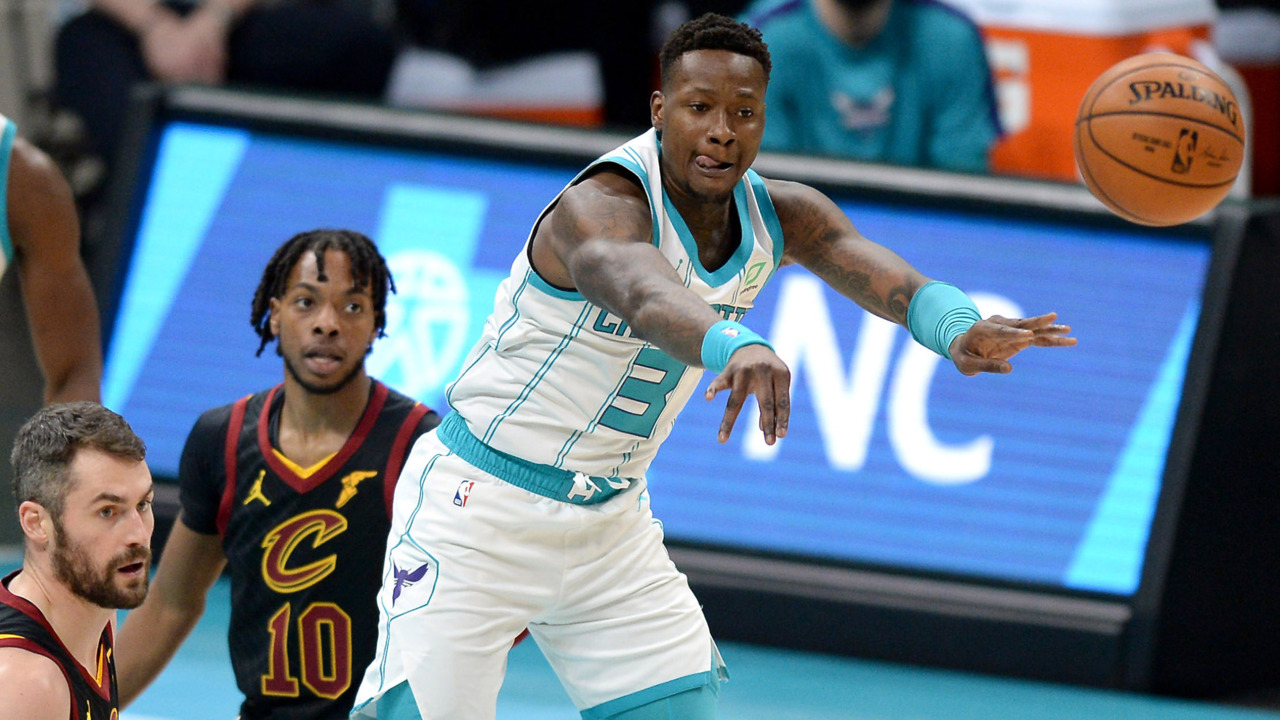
[321, 526]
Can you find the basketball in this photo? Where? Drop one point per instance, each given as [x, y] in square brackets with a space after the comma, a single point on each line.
[1159, 139]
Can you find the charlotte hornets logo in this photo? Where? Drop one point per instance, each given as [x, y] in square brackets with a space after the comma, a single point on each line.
[406, 578]
[863, 115]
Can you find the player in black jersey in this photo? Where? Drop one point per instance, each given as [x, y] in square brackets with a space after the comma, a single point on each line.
[290, 490]
[84, 502]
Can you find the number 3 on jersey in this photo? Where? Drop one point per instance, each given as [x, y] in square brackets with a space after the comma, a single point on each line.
[324, 646]
[644, 394]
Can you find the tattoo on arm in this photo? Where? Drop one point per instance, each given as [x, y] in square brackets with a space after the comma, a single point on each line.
[856, 268]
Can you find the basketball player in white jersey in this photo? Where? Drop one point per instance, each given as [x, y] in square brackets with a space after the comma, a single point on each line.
[527, 507]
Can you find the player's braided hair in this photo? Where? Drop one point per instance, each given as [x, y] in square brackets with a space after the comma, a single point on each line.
[714, 32]
[367, 265]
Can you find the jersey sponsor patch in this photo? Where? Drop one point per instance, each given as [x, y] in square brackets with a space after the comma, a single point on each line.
[351, 485]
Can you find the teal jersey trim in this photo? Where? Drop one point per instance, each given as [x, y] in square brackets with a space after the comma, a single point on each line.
[515, 306]
[631, 165]
[729, 271]
[567, 446]
[549, 482]
[448, 393]
[554, 355]
[637, 168]
[398, 703]
[559, 293]
[768, 214]
[740, 256]
[652, 694]
[6, 148]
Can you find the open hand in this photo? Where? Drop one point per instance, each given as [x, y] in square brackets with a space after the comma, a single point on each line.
[755, 370]
[988, 345]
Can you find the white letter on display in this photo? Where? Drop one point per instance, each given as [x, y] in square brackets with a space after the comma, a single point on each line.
[845, 403]
[918, 450]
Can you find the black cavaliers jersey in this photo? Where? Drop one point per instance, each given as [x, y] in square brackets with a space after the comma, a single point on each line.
[304, 549]
[93, 691]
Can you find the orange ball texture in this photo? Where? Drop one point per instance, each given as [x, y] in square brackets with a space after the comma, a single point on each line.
[1159, 139]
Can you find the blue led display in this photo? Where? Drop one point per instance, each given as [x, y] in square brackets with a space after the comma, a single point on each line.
[1046, 476]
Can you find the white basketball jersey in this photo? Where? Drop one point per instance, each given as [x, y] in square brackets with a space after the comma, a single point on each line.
[7, 132]
[558, 381]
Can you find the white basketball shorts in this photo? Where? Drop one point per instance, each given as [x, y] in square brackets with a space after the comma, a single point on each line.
[472, 561]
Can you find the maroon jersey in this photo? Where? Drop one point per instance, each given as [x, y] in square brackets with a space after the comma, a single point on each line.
[93, 690]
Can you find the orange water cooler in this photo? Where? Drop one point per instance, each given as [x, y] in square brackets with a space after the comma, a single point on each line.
[1249, 39]
[1046, 53]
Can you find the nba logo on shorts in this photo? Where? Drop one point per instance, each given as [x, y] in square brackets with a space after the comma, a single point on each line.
[464, 492]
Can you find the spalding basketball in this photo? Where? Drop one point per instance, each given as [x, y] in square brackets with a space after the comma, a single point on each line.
[1159, 139]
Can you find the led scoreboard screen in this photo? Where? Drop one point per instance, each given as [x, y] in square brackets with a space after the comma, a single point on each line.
[1048, 476]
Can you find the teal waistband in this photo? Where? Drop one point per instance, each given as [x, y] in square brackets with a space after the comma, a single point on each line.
[555, 483]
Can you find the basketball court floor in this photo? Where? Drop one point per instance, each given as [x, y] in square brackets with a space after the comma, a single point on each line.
[765, 684]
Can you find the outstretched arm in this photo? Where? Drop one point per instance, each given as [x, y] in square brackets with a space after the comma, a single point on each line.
[598, 240]
[153, 632]
[56, 291]
[820, 237]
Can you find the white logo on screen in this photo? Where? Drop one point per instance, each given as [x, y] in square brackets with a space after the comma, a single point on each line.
[846, 403]
[427, 324]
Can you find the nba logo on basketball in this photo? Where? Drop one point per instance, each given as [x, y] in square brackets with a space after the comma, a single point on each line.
[1185, 150]
[464, 492]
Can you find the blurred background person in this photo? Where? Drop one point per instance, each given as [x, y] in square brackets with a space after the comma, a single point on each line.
[332, 47]
[497, 34]
[904, 82]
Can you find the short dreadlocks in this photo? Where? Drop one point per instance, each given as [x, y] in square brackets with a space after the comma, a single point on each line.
[367, 265]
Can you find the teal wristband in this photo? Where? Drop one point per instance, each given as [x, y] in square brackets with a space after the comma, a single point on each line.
[939, 313]
[723, 339]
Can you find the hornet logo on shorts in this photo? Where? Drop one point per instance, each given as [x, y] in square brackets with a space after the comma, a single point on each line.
[406, 579]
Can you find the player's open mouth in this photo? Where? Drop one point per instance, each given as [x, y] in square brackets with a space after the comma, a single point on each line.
[321, 363]
[712, 166]
[133, 568]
